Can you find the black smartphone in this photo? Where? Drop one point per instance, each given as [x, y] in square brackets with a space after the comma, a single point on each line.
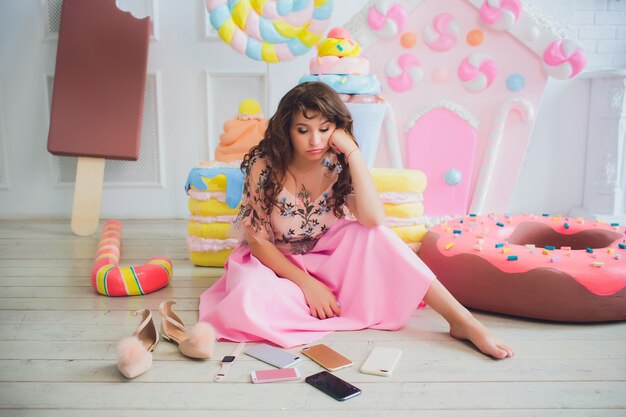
[332, 385]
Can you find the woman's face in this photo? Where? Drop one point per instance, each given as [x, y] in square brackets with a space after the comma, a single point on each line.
[310, 136]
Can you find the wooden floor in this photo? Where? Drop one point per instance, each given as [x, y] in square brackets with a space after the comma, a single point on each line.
[58, 349]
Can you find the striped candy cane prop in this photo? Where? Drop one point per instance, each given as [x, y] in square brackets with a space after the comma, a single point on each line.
[491, 152]
[110, 279]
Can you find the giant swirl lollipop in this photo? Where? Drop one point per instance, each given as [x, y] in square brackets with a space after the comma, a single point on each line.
[270, 30]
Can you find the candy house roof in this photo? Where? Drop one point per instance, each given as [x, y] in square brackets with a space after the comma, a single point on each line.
[542, 34]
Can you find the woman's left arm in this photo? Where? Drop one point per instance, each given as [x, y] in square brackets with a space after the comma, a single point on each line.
[366, 205]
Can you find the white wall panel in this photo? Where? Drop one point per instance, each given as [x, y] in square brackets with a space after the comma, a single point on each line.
[224, 93]
[4, 159]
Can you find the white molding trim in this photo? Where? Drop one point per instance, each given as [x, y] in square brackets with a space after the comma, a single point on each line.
[158, 97]
[44, 23]
[211, 143]
[209, 34]
[5, 184]
[605, 168]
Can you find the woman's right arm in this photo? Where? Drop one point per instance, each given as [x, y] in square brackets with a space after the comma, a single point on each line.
[320, 299]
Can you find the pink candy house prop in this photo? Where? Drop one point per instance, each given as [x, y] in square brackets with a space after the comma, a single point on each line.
[464, 78]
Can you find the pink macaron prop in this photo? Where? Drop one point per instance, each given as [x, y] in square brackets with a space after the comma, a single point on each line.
[404, 72]
[442, 33]
[477, 72]
[386, 18]
[564, 59]
[500, 14]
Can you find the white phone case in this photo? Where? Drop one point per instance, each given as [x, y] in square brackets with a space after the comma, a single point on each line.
[274, 356]
[381, 361]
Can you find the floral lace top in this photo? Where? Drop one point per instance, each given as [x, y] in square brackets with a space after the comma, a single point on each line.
[296, 222]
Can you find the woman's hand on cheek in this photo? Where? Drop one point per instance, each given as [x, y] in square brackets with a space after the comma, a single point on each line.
[342, 142]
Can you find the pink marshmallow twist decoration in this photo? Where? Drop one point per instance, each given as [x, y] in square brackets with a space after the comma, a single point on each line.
[564, 59]
[442, 33]
[386, 18]
[404, 72]
[477, 72]
[500, 14]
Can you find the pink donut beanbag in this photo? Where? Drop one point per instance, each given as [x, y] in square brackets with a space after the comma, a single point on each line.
[542, 267]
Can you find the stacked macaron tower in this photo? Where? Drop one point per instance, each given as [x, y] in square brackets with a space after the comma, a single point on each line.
[215, 188]
[401, 191]
[338, 63]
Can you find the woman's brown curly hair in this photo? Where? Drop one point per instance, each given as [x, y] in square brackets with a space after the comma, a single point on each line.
[276, 145]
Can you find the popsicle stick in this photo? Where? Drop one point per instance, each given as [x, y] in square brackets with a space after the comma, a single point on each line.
[87, 195]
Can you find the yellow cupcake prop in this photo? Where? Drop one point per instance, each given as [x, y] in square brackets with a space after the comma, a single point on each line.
[241, 133]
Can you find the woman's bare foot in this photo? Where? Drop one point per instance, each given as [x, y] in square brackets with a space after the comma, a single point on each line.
[463, 325]
[474, 331]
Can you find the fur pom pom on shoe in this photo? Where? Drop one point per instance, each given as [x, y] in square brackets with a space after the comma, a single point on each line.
[196, 342]
[134, 353]
[132, 357]
[199, 342]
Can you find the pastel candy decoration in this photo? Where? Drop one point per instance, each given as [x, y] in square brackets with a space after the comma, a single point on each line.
[564, 59]
[347, 84]
[340, 47]
[234, 182]
[270, 30]
[442, 33]
[386, 18]
[404, 72]
[477, 72]
[500, 14]
[338, 64]
[110, 279]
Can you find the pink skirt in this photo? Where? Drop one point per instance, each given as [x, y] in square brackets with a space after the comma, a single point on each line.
[377, 279]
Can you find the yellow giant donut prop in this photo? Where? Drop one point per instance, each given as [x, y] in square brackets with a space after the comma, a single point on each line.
[270, 30]
[110, 279]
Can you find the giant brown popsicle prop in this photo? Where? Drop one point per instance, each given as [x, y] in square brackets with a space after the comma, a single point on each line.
[97, 102]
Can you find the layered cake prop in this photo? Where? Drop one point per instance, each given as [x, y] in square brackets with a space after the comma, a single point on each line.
[543, 267]
[108, 278]
[215, 191]
[338, 63]
[97, 103]
[401, 191]
[241, 133]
